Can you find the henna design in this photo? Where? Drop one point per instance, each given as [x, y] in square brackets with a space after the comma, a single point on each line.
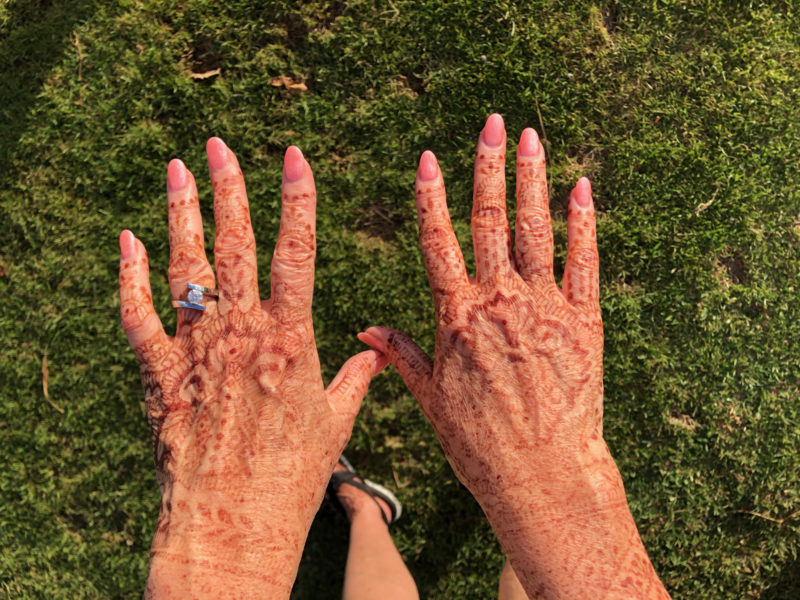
[244, 434]
[515, 390]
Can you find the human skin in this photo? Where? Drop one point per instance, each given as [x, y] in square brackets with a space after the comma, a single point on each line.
[245, 436]
[515, 389]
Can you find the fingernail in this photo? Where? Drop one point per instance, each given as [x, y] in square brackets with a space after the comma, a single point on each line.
[127, 244]
[428, 167]
[176, 175]
[583, 192]
[294, 165]
[493, 130]
[217, 153]
[372, 340]
[528, 143]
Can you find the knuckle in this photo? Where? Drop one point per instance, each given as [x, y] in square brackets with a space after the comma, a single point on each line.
[186, 264]
[435, 237]
[535, 224]
[532, 191]
[489, 215]
[299, 199]
[235, 237]
[586, 258]
[430, 190]
[295, 247]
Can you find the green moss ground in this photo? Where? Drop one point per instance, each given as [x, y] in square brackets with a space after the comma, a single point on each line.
[685, 116]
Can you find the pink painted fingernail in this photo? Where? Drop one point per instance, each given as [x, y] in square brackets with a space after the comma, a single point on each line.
[370, 338]
[528, 143]
[294, 165]
[176, 175]
[217, 153]
[127, 244]
[428, 167]
[493, 130]
[583, 192]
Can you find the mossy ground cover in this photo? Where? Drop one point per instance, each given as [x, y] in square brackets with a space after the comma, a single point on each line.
[685, 116]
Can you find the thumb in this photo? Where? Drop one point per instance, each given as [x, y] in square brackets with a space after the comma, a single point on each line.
[349, 387]
[410, 360]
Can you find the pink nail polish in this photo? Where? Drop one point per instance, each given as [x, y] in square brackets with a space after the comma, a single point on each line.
[294, 165]
[217, 153]
[372, 340]
[428, 167]
[176, 175]
[528, 143]
[583, 192]
[493, 131]
[127, 244]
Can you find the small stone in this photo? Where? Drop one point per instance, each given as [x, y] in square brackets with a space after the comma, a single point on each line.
[195, 296]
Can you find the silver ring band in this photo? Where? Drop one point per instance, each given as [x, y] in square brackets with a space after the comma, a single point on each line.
[194, 298]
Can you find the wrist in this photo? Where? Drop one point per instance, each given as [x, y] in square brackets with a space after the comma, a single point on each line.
[207, 545]
[570, 532]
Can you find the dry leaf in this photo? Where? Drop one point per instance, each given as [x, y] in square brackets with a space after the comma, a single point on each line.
[45, 377]
[297, 85]
[206, 74]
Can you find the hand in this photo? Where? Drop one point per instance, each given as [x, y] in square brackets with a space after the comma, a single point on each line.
[245, 437]
[515, 391]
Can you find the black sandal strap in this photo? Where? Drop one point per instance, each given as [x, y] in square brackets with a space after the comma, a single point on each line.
[339, 478]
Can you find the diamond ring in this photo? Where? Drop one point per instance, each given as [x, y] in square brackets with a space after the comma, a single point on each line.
[194, 298]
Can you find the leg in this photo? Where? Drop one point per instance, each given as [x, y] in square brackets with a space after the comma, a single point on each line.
[374, 568]
[510, 588]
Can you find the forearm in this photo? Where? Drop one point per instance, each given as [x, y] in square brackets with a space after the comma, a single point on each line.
[574, 537]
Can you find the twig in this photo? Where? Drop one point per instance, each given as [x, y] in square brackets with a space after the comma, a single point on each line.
[704, 205]
[780, 521]
[541, 121]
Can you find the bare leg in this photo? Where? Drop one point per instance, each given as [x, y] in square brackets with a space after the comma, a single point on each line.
[510, 588]
[374, 568]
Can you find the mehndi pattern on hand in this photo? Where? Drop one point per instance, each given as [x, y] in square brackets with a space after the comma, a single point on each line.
[245, 436]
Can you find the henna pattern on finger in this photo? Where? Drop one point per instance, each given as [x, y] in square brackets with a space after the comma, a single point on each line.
[515, 391]
[244, 436]
[491, 234]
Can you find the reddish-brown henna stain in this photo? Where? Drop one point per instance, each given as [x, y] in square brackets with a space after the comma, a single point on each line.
[515, 390]
[244, 434]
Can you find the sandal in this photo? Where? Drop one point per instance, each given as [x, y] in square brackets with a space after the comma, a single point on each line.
[350, 477]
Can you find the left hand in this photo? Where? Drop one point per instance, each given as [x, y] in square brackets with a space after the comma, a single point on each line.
[245, 436]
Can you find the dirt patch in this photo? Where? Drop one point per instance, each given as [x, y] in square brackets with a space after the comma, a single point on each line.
[204, 61]
[735, 270]
[296, 31]
[611, 16]
[379, 220]
[683, 421]
[414, 83]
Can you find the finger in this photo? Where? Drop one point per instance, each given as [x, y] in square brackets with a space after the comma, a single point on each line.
[139, 319]
[292, 278]
[581, 282]
[235, 245]
[443, 259]
[534, 233]
[414, 366]
[187, 253]
[350, 385]
[491, 236]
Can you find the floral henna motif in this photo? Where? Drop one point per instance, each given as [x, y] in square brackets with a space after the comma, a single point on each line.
[515, 390]
[244, 434]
